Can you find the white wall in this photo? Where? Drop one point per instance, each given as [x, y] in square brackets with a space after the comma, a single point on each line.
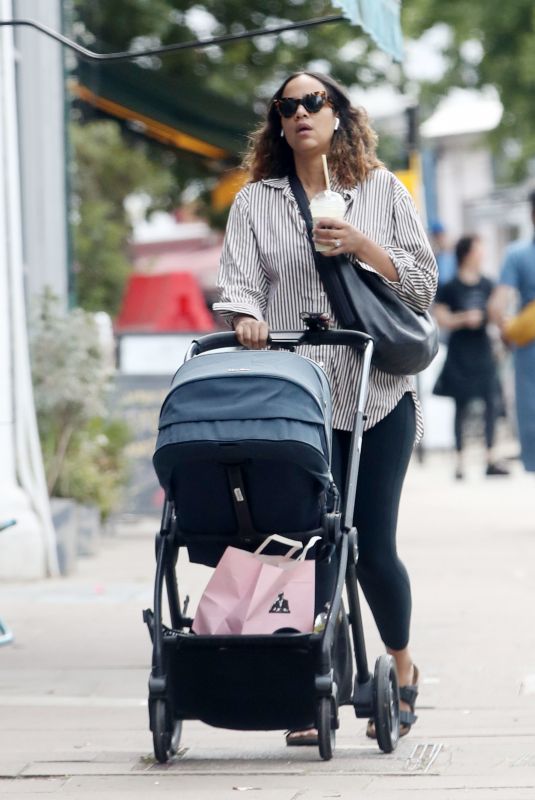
[41, 107]
[27, 550]
[468, 201]
[503, 216]
[463, 172]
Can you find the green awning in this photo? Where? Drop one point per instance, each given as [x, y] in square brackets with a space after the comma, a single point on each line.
[379, 18]
[167, 109]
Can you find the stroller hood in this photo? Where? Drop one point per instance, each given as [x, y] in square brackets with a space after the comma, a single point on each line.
[233, 396]
[267, 411]
[277, 385]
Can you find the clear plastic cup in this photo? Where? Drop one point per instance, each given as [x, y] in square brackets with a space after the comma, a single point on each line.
[327, 205]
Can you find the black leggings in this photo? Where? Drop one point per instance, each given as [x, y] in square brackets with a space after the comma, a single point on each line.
[385, 456]
[491, 413]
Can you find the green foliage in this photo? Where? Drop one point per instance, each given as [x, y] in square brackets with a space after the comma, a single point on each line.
[138, 19]
[69, 375]
[105, 171]
[245, 69]
[249, 70]
[492, 43]
[392, 151]
[82, 451]
[95, 469]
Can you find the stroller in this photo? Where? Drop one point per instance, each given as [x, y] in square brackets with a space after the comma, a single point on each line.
[243, 451]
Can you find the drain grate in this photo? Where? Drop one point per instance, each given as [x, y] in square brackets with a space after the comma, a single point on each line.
[423, 757]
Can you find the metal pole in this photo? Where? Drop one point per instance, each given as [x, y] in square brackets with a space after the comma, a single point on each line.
[356, 440]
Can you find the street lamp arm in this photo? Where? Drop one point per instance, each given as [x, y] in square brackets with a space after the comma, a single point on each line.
[89, 55]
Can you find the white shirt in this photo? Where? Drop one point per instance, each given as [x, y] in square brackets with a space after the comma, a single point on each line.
[268, 271]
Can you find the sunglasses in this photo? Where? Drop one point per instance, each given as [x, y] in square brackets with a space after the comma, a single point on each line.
[312, 102]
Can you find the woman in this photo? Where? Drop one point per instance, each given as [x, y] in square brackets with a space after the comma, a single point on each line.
[470, 369]
[268, 277]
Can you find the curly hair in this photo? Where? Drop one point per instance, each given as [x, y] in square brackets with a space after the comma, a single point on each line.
[353, 147]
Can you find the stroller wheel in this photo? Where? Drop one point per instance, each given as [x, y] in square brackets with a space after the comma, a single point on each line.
[386, 703]
[326, 728]
[165, 742]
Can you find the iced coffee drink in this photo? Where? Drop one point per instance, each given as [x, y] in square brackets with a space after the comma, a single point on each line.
[327, 205]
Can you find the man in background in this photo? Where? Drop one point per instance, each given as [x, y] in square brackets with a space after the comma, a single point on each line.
[516, 287]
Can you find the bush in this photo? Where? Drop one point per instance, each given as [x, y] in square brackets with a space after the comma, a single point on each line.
[94, 469]
[82, 449]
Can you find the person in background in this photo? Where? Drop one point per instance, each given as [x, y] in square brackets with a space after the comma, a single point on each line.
[443, 252]
[470, 369]
[517, 282]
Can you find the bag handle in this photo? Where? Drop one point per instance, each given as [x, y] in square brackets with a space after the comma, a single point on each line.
[276, 537]
[308, 546]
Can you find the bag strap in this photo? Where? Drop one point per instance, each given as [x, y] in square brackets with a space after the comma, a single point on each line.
[304, 206]
[326, 267]
[307, 547]
[239, 499]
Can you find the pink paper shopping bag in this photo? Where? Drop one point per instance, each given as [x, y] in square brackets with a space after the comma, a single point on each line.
[243, 583]
[282, 598]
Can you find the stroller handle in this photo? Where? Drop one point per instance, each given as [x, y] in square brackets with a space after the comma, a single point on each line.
[285, 340]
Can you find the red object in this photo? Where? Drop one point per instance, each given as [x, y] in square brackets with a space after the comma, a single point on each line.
[162, 304]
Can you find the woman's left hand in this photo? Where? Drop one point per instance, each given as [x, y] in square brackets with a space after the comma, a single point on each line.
[339, 236]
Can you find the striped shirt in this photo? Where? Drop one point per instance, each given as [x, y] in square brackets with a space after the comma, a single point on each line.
[268, 271]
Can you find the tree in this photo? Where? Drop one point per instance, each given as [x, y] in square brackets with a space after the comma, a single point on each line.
[490, 43]
[105, 171]
[246, 69]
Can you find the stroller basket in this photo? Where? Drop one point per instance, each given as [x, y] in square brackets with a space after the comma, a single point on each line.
[279, 669]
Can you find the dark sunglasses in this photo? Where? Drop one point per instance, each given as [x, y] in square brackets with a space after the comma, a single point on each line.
[312, 102]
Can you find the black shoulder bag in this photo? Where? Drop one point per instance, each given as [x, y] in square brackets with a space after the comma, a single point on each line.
[405, 341]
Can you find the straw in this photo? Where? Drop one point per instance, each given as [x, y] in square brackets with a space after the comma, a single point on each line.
[326, 173]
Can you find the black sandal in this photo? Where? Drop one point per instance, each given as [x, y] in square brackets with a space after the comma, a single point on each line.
[407, 694]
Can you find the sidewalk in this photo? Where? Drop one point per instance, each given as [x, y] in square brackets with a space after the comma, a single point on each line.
[73, 718]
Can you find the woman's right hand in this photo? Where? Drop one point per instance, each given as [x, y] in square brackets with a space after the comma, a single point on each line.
[250, 332]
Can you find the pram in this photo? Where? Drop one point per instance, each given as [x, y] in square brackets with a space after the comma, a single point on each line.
[243, 451]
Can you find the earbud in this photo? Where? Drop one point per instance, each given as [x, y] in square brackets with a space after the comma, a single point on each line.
[336, 123]
[282, 133]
